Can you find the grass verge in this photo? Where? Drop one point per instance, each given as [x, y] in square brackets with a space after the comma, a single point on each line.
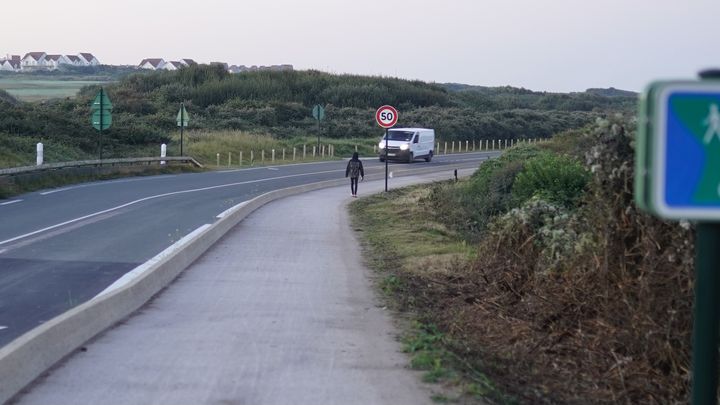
[410, 249]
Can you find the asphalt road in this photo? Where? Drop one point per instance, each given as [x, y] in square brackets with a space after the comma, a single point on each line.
[61, 247]
[278, 311]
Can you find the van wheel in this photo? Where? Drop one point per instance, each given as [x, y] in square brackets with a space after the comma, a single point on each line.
[428, 158]
[411, 158]
[382, 160]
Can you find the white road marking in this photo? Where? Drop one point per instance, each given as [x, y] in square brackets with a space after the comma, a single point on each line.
[273, 168]
[4, 242]
[10, 202]
[3, 327]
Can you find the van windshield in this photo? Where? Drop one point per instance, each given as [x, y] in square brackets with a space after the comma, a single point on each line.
[404, 136]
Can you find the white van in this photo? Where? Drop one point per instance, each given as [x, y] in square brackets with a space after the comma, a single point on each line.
[408, 144]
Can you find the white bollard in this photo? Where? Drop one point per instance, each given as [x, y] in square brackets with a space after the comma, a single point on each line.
[252, 158]
[40, 154]
[304, 151]
[218, 159]
[229, 159]
[467, 143]
[314, 151]
[445, 149]
[262, 156]
[294, 153]
[283, 154]
[272, 159]
[240, 159]
[452, 147]
[163, 153]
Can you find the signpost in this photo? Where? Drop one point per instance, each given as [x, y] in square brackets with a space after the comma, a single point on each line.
[101, 117]
[386, 116]
[677, 167]
[183, 119]
[318, 112]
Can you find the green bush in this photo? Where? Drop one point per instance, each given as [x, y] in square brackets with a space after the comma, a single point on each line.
[555, 178]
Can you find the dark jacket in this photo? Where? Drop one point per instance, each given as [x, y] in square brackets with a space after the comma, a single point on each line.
[354, 168]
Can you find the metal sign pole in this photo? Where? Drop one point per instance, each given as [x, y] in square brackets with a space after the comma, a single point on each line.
[705, 319]
[102, 95]
[386, 159]
[182, 124]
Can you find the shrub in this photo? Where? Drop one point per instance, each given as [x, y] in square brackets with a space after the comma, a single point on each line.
[555, 178]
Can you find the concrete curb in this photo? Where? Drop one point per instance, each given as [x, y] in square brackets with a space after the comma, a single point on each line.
[26, 358]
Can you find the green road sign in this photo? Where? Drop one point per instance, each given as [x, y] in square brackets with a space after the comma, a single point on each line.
[102, 101]
[101, 108]
[103, 116]
[318, 112]
[182, 117]
[677, 164]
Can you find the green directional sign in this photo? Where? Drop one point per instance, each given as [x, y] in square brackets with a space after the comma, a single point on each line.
[183, 119]
[101, 108]
[318, 112]
[102, 101]
[101, 119]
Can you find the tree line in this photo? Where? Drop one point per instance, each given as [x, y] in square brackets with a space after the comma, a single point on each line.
[280, 103]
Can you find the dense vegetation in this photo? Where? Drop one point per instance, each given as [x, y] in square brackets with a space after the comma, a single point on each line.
[279, 103]
[573, 295]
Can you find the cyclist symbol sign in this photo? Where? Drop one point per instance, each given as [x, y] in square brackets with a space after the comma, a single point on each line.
[386, 116]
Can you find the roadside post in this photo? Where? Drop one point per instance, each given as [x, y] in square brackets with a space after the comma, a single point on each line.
[101, 117]
[183, 119]
[677, 177]
[386, 116]
[39, 158]
[318, 112]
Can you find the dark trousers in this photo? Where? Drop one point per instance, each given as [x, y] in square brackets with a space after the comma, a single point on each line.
[353, 185]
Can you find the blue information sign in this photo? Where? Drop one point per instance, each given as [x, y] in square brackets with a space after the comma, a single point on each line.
[683, 150]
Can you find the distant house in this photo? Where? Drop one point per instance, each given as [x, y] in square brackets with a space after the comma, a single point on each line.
[15, 61]
[6, 66]
[88, 59]
[54, 61]
[33, 60]
[188, 62]
[152, 64]
[172, 65]
[75, 60]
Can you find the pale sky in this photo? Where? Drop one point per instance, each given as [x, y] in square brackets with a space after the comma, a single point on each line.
[551, 45]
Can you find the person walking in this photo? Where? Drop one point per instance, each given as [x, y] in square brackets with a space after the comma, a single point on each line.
[354, 170]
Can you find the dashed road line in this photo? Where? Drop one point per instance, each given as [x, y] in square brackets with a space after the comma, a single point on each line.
[10, 202]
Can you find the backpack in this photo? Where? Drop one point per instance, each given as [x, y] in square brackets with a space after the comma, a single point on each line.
[354, 168]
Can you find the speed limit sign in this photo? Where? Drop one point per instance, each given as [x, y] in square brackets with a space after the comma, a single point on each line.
[386, 116]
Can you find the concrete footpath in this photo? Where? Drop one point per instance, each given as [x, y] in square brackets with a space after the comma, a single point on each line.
[279, 311]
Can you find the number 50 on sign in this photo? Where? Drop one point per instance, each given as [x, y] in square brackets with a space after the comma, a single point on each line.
[386, 116]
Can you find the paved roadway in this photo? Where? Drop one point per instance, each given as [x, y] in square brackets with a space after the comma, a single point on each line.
[278, 311]
[61, 247]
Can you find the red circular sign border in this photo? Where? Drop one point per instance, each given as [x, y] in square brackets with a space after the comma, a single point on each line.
[383, 108]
